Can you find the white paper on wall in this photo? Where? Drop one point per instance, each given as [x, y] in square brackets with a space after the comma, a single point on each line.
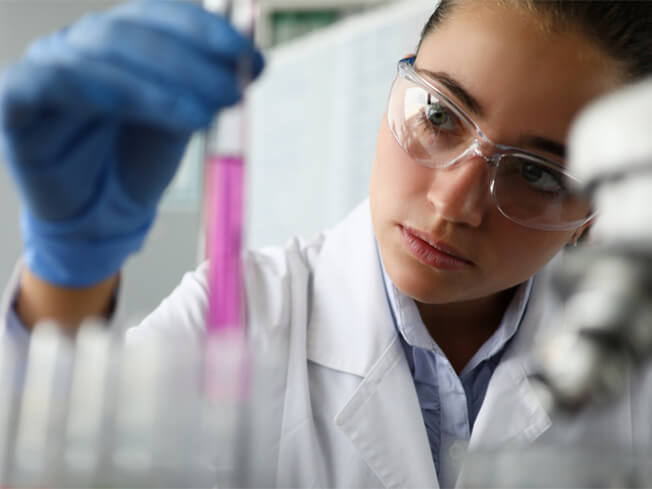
[315, 114]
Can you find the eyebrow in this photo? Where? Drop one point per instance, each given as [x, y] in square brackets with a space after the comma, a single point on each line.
[544, 144]
[472, 104]
[456, 89]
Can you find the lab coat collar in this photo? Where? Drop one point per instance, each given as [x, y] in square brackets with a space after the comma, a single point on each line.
[382, 419]
[350, 323]
[512, 412]
[351, 330]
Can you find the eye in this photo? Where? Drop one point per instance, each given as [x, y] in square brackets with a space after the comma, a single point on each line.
[542, 178]
[439, 116]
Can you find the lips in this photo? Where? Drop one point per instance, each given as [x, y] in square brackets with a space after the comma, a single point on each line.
[433, 252]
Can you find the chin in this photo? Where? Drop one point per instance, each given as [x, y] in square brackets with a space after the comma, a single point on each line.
[421, 284]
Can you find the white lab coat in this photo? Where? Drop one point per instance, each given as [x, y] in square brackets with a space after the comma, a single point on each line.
[340, 404]
[338, 407]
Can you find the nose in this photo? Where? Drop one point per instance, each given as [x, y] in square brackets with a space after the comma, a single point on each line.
[460, 193]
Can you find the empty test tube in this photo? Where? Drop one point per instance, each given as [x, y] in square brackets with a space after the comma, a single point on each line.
[89, 403]
[39, 433]
[9, 390]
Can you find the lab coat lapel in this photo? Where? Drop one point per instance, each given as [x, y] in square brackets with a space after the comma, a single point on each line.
[511, 411]
[384, 422]
[352, 331]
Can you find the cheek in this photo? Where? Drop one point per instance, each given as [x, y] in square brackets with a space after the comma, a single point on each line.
[525, 251]
[394, 176]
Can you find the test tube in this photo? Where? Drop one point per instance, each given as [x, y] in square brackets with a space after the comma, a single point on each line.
[137, 405]
[42, 409]
[88, 406]
[226, 369]
[9, 393]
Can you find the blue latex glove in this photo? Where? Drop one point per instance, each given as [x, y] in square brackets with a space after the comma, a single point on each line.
[95, 119]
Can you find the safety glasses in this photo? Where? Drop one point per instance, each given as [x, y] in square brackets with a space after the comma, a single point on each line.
[434, 131]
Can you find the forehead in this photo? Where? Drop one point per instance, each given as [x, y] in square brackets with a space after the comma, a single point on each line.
[527, 78]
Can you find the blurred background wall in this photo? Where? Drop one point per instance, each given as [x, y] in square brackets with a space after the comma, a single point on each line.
[314, 115]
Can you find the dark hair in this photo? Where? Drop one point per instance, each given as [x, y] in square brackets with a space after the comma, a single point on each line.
[622, 29]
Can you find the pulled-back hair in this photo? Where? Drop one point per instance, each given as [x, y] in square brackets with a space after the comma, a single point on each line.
[622, 29]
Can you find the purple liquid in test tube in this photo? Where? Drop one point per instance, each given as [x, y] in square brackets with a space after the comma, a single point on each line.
[226, 353]
[224, 242]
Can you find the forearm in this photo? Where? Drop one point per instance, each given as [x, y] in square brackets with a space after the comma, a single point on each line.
[38, 299]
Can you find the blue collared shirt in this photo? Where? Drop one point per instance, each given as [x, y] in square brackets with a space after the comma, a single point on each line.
[450, 403]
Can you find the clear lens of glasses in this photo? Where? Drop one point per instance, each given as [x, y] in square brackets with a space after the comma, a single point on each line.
[528, 190]
[537, 195]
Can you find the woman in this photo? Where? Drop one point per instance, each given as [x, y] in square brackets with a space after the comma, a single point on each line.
[415, 312]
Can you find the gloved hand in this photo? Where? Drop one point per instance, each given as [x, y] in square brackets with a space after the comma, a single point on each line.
[95, 119]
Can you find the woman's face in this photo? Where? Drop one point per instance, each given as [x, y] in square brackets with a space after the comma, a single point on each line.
[529, 85]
